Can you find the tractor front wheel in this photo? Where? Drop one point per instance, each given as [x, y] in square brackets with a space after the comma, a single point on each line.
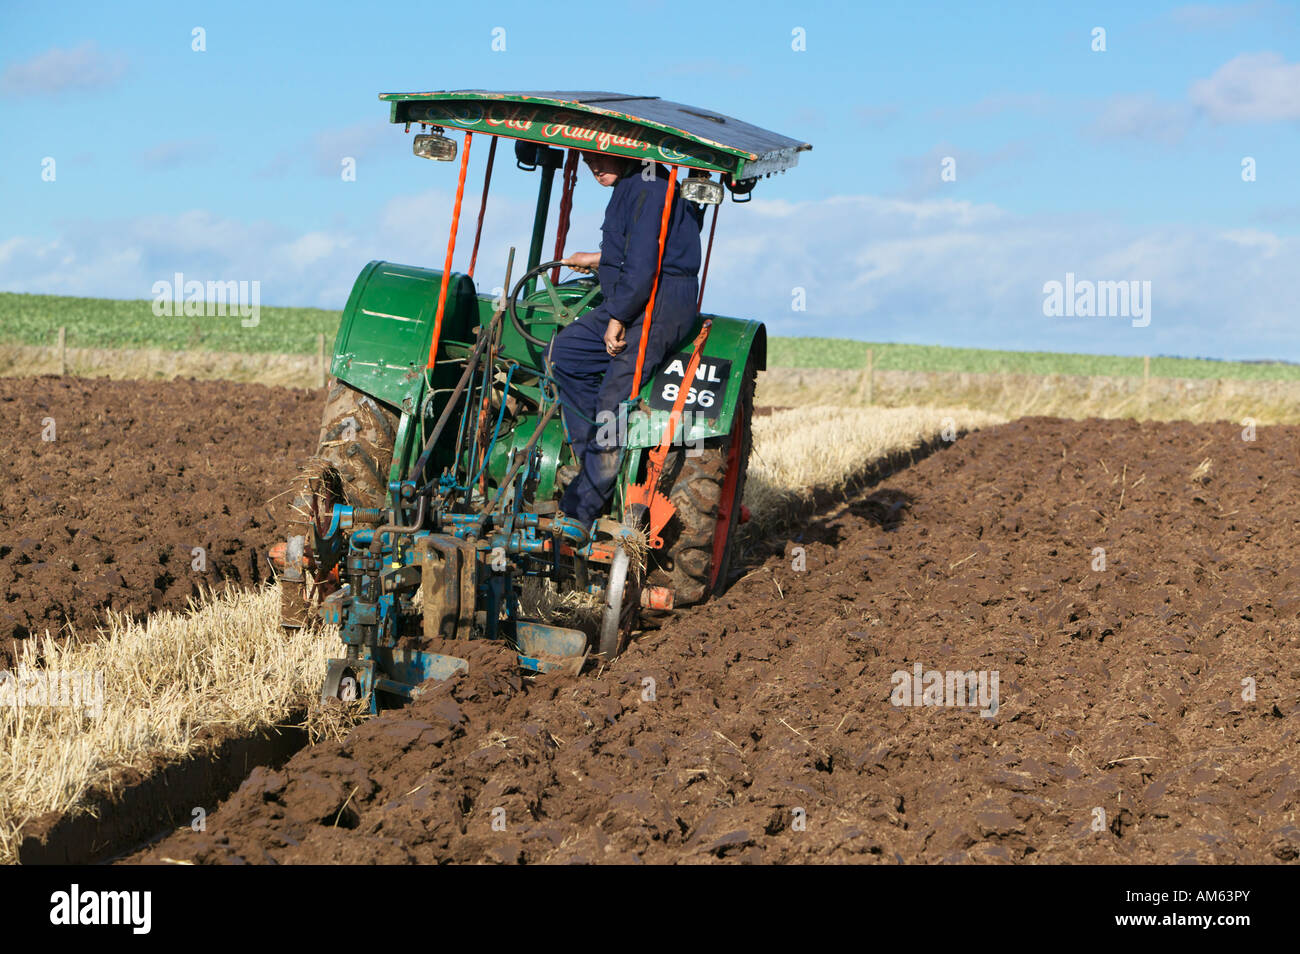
[353, 455]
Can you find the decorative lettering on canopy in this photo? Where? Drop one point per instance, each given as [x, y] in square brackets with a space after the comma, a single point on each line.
[569, 128]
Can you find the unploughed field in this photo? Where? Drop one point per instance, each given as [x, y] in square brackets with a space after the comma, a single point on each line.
[760, 727]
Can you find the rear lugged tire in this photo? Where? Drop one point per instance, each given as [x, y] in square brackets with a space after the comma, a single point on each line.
[353, 454]
[707, 490]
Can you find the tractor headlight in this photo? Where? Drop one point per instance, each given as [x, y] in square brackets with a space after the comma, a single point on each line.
[703, 191]
[432, 146]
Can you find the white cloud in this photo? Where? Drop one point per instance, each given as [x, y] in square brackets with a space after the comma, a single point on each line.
[1252, 87]
[923, 172]
[1266, 243]
[358, 141]
[315, 247]
[365, 142]
[9, 248]
[1143, 116]
[937, 271]
[957, 273]
[63, 70]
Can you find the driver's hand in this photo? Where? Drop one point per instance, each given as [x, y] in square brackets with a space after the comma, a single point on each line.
[615, 337]
[585, 262]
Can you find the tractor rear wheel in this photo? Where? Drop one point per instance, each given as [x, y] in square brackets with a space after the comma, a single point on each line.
[707, 489]
[353, 455]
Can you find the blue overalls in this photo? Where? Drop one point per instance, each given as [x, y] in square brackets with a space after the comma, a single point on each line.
[589, 380]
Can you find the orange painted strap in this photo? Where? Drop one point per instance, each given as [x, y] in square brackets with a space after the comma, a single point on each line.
[704, 276]
[566, 209]
[660, 453]
[647, 493]
[482, 206]
[650, 305]
[451, 249]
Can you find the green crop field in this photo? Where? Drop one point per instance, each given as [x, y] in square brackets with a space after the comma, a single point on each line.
[109, 323]
[112, 324]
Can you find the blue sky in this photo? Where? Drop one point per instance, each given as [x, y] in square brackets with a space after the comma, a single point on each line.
[1116, 166]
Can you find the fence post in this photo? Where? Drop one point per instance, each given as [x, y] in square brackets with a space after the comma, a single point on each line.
[867, 385]
[322, 368]
[63, 351]
[1146, 384]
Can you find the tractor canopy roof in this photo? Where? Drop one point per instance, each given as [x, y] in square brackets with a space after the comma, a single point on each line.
[640, 127]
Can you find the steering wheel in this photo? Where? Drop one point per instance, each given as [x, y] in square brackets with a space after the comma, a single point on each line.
[563, 302]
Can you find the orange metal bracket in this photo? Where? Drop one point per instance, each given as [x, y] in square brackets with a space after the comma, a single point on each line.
[451, 249]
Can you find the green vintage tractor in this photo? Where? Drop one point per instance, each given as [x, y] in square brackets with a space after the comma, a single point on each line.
[428, 505]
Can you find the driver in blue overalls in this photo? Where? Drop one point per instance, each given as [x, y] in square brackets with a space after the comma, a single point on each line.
[594, 358]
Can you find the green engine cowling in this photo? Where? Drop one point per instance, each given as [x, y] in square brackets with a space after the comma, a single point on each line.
[382, 349]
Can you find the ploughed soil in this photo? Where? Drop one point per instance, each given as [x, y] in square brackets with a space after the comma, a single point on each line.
[1148, 706]
[107, 514]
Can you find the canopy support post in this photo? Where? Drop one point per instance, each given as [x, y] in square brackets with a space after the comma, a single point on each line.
[704, 275]
[451, 249]
[548, 168]
[482, 208]
[566, 209]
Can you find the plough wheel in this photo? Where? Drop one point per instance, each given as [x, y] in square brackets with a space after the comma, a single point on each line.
[611, 620]
[622, 592]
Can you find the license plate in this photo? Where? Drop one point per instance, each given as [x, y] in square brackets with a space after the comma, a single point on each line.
[705, 393]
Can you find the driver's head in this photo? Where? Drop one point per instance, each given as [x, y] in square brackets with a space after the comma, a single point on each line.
[606, 168]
